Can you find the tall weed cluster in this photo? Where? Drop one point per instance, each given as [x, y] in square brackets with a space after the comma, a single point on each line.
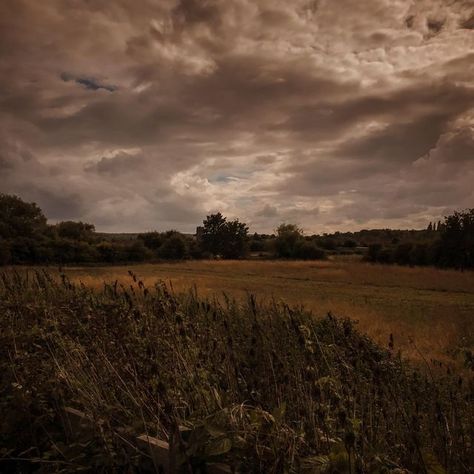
[264, 387]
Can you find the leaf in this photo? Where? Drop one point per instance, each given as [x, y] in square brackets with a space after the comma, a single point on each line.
[431, 463]
[213, 429]
[218, 447]
[316, 464]
[279, 412]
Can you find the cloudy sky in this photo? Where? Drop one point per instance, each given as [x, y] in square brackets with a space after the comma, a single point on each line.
[150, 114]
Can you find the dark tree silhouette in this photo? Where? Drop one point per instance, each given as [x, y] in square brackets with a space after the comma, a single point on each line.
[19, 218]
[222, 237]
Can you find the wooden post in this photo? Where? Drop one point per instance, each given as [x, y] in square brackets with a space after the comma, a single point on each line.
[77, 422]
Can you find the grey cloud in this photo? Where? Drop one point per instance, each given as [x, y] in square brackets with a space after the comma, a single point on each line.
[300, 102]
[117, 164]
[267, 211]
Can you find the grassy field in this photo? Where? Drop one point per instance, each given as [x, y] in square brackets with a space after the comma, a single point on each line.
[264, 388]
[430, 312]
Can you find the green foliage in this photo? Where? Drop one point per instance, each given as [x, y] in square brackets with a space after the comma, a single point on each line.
[5, 255]
[152, 240]
[20, 219]
[136, 252]
[266, 388]
[75, 230]
[289, 236]
[170, 245]
[224, 238]
[290, 243]
[457, 240]
[453, 245]
[173, 247]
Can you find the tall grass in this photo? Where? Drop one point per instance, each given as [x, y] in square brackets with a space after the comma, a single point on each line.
[267, 388]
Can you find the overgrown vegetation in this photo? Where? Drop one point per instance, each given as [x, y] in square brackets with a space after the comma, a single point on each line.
[26, 238]
[264, 387]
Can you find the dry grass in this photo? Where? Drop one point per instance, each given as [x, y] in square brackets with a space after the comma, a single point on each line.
[429, 311]
[264, 387]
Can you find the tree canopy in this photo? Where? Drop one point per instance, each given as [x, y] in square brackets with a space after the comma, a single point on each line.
[227, 239]
[19, 218]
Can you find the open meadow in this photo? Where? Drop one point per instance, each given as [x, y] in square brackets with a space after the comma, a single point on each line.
[430, 312]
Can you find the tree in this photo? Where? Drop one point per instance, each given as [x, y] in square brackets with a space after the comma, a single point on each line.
[152, 240]
[291, 243]
[288, 238]
[5, 255]
[234, 243]
[222, 237]
[173, 247]
[75, 230]
[456, 248]
[137, 251]
[373, 252]
[19, 218]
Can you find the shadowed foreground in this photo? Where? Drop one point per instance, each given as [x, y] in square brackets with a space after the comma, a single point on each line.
[266, 389]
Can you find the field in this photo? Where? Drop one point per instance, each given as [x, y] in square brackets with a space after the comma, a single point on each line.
[430, 312]
[265, 388]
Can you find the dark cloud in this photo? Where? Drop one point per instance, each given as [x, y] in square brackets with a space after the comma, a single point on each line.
[151, 114]
[267, 211]
[88, 82]
[117, 164]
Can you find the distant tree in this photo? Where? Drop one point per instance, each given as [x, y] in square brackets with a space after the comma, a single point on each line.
[174, 247]
[5, 255]
[75, 230]
[403, 253]
[308, 250]
[109, 252]
[137, 251]
[373, 252]
[289, 236]
[257, 245]
[64, 250]
[19, 218]
[456, 248]
[430, 227]
[222, 237]
[212, 233]
[420, 254]
[290, 242]
[328, 243]
[350, 243]
[234, 239]
[152, 240]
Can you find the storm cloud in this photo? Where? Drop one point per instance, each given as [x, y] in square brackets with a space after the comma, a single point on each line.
[143, 115]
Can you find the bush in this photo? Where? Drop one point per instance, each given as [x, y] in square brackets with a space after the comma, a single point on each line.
[109, 252]
[152, 240]
[349, 243]
[173, 248]
[373, 252]
[137, 252]
[309, 251]
[403, 253]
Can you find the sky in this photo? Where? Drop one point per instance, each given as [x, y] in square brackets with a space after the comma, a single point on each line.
[331, 114]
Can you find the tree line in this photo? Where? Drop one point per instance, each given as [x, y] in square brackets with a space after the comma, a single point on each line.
[449, 244]
[27, 238]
